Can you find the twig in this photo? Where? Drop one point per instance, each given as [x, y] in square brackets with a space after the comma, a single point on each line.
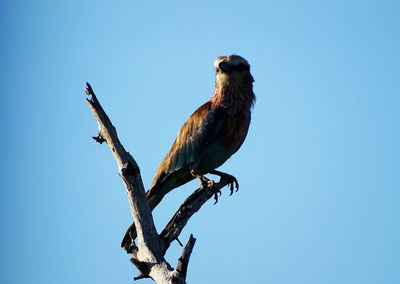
[183, 260]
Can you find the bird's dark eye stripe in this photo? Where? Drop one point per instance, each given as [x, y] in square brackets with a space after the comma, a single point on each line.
[241, 67]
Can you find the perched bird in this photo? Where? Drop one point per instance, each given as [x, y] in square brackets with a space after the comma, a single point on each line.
[214, 132]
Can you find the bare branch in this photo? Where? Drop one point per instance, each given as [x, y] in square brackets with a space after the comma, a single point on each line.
[128, 169]
[148, 257]
[190, 206]
[183, 260]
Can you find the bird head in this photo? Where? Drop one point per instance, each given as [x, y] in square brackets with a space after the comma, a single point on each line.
[233, 83]
[232, 69]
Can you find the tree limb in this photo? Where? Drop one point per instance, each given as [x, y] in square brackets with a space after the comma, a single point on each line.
[183, 260]
[190, 206]
[148, 256]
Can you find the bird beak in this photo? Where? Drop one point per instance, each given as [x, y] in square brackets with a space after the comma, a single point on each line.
[226, 67]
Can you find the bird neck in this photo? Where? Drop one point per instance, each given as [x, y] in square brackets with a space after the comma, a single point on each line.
[235, 96]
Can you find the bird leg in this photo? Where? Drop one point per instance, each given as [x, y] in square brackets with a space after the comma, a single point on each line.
[231, 180]
[204, 181]
[208, 183]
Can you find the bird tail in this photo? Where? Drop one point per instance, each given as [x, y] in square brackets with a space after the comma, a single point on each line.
[128, 242]
[154, 196]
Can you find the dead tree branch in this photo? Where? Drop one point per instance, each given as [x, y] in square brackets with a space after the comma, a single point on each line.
[148, 255]
[183, 260]
[190, 206]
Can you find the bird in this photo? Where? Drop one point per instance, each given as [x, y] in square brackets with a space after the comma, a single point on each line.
[210, 136]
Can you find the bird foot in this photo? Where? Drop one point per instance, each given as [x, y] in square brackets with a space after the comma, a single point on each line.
[208, 183]
[205, 182]
[227, 178]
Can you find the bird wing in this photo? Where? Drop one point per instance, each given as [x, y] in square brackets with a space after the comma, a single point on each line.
[193, 137]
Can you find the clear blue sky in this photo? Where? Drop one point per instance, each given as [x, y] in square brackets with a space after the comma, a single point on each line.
[319, 198]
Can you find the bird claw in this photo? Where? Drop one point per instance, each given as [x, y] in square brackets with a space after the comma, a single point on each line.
[208, 183]
[224, 177]
[216, 195]
[232, 182]
[231, 189]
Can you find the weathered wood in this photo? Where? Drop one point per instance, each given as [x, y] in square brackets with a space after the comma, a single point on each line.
[183, 260]
[148, 255]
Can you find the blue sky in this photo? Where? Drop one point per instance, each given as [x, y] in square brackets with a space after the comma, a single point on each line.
[319, 198]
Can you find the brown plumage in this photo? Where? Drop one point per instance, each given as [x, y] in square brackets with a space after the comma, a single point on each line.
[213, 133]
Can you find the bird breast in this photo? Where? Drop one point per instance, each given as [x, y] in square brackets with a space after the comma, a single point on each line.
[228, 140]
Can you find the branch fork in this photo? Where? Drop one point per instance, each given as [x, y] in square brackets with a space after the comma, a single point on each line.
[148, 255]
